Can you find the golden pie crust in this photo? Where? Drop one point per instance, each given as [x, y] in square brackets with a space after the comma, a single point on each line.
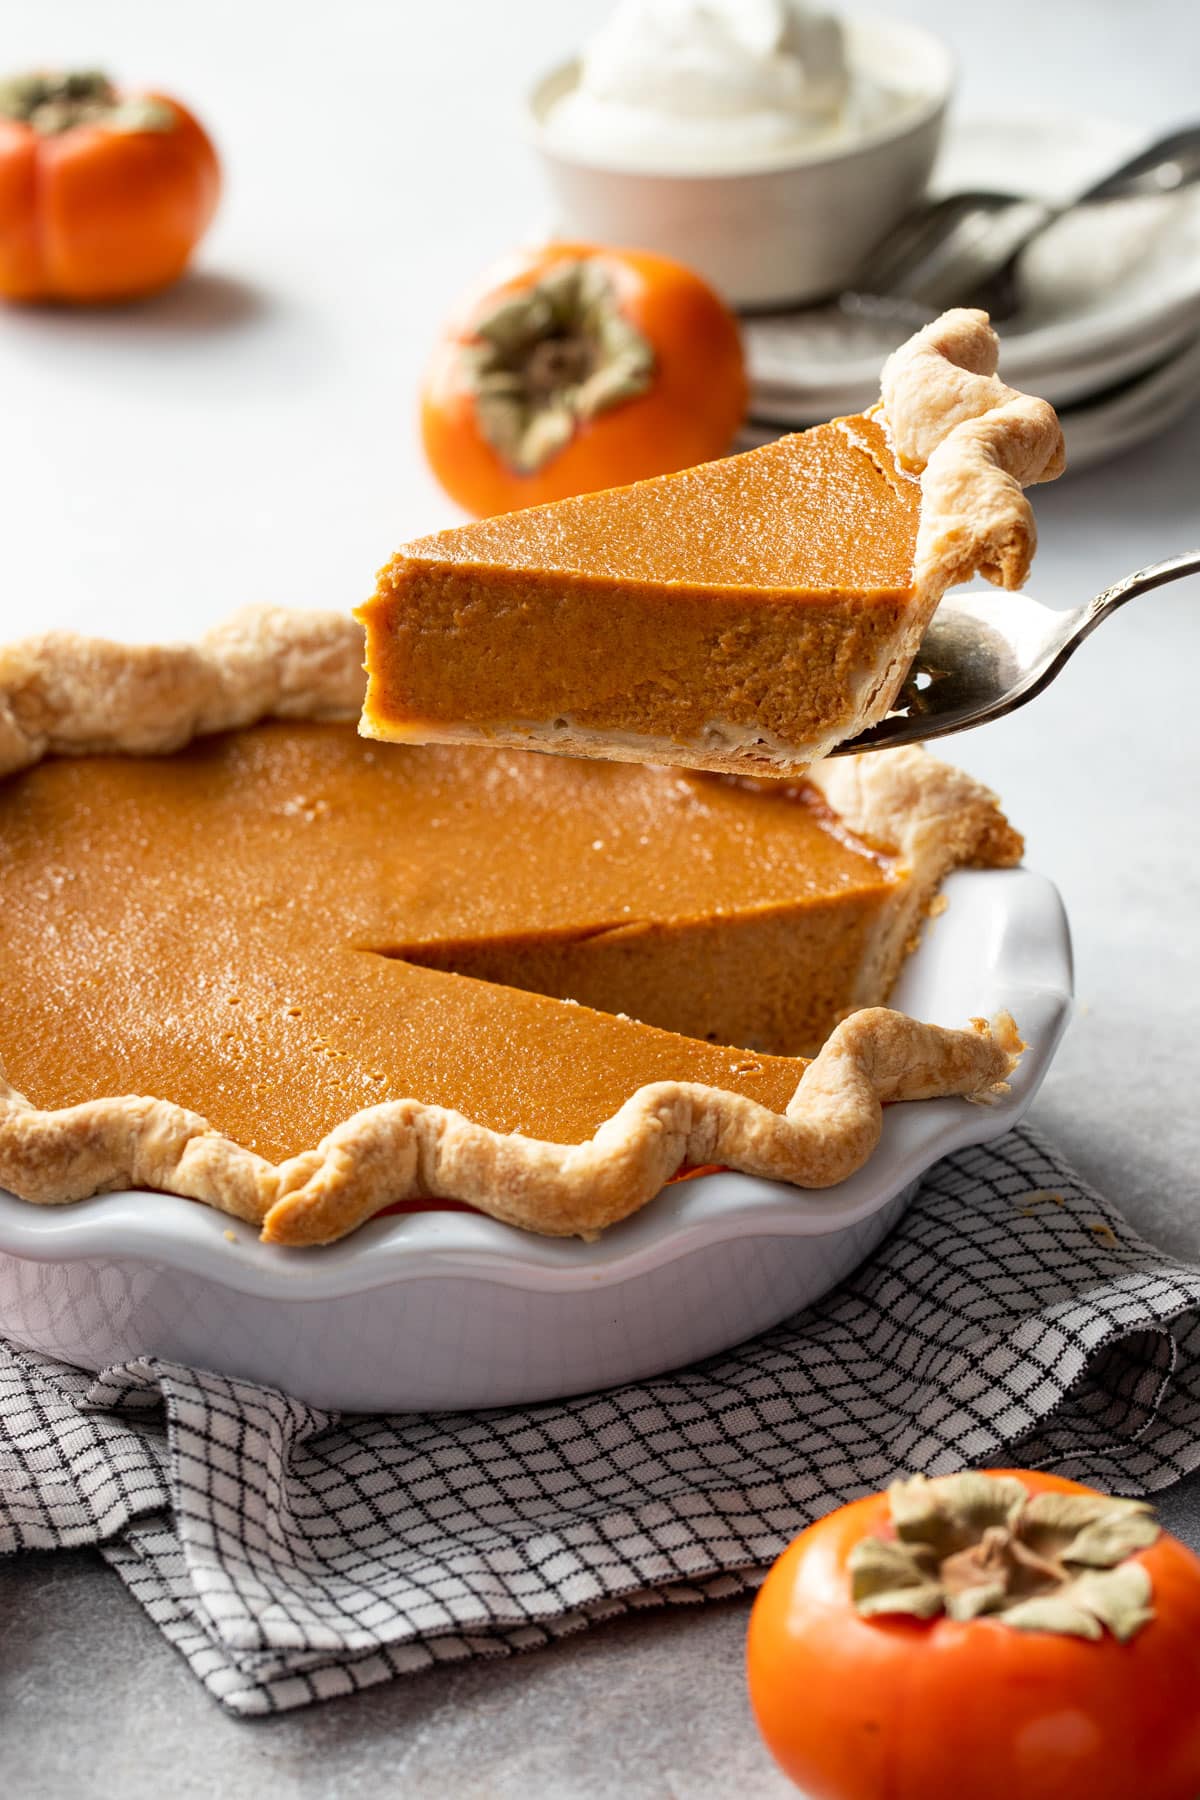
[64, 696]
[745, 616]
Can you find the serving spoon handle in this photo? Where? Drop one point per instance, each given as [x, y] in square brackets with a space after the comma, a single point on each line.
[1172, 568]
[982, 658]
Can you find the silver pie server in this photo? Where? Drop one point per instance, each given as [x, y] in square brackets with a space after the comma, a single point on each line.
[985, 654]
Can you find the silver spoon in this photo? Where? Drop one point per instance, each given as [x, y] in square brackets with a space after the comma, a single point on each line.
[984, 655]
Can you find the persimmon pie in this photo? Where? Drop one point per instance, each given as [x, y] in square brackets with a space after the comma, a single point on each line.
[251, 959]
[747, 615]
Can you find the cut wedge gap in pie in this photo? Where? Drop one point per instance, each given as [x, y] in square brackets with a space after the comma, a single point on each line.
[198, 995]
[747, 615]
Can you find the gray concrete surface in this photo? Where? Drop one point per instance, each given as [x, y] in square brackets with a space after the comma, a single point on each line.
[303, 457]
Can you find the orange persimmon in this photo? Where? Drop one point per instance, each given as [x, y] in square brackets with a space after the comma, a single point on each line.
[948, 1641]
[103, 195]
[573, 367]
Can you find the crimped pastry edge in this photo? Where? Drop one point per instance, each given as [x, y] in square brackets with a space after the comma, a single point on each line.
[931, 813]
[405, 1149]
[63, 694]
[976, 444]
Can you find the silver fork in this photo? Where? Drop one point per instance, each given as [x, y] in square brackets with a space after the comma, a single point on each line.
[963, 250]
[986, 654]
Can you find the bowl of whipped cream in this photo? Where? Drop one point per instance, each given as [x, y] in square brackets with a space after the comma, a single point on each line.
[768, 144]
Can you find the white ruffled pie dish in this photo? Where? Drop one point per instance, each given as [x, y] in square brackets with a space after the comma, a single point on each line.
[454, 1310]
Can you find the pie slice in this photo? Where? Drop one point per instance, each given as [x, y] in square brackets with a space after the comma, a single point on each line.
[746, 615]
[261, 963]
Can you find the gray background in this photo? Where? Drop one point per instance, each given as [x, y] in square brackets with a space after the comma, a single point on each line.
[251, 439]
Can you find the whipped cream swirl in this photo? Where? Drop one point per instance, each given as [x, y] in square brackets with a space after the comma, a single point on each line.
[707, 84]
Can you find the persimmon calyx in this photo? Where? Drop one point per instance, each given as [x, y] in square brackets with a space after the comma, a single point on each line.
[973, 1544]
[51, 103]
[545, 361]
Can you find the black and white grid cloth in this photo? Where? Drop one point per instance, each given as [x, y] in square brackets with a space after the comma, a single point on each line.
[291, 1555]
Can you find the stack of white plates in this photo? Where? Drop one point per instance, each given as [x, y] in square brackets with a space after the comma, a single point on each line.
[1109, 328]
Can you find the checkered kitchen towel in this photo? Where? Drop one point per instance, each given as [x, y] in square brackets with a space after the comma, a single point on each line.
[292, 1555]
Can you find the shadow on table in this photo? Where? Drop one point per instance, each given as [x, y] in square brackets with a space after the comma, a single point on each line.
[203, 303]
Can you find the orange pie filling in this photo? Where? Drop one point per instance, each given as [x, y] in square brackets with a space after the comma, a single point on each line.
[278, 927]
[714, 618]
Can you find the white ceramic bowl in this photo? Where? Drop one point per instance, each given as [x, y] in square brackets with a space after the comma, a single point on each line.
[794, 227]
[451, 1310]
